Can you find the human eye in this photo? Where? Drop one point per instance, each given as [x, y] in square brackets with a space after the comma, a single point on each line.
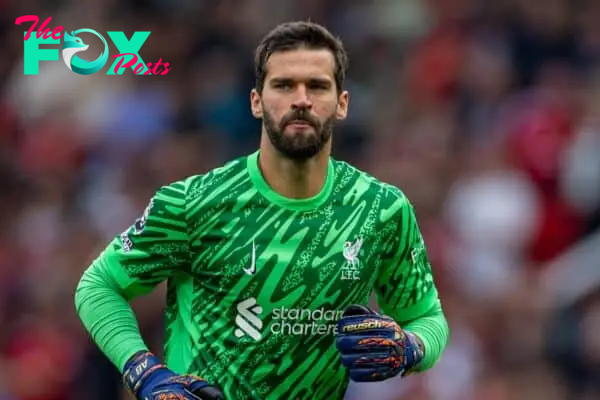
[282, 84]
[319, 85]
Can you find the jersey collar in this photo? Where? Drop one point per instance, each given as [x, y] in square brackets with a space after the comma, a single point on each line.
[306, 204]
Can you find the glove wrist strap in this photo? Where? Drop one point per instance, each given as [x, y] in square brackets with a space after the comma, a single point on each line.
[138, 368]
[415, 351]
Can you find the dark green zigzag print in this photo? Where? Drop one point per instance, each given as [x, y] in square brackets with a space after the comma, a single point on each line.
[199, 233]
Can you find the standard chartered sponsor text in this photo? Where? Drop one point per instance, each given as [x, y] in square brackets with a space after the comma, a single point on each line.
[301, 321]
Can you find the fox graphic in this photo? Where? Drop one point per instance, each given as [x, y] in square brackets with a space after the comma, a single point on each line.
[73, 45]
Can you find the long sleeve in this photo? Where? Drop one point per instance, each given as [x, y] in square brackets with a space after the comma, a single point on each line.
[106, 314]
[406, 289]
[432, 329]
[153, 249]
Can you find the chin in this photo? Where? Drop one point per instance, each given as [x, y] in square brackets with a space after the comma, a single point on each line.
[301, 154]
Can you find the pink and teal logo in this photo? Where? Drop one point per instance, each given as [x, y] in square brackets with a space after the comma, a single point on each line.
[128, 56]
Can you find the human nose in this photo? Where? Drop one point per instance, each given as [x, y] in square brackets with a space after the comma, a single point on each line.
[301, 98]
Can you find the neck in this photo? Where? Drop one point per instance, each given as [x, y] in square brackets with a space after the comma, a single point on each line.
[295, 179]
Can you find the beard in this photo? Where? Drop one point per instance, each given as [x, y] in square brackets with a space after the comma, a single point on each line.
[301, 145]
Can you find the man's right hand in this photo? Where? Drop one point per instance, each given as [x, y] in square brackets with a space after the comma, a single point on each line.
[148, 379]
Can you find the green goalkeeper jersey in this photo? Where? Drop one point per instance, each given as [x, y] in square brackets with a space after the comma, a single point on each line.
[256, 281]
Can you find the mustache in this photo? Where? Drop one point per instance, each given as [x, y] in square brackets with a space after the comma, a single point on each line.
[301, 114]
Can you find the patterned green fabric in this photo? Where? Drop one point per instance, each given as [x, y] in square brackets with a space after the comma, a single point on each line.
[257, 281]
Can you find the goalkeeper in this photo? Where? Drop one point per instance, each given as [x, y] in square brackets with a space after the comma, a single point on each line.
[270, 259]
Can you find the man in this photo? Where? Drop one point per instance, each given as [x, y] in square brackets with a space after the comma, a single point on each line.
[271, 258]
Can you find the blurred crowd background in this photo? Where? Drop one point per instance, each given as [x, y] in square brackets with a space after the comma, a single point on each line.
[486, 114]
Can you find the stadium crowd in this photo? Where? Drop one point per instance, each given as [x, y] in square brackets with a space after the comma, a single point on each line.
[486, 114]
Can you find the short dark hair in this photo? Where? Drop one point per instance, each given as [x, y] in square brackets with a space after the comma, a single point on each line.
[295, 35]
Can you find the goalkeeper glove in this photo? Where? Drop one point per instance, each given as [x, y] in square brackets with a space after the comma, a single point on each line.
[373, 347]
[148, 379]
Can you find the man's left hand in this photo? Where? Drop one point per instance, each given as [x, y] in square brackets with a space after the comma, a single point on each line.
[374, 347]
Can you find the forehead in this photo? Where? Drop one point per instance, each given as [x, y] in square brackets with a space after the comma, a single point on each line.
[301, 63]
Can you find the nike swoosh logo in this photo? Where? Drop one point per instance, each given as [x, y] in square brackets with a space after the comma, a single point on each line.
[252, 269]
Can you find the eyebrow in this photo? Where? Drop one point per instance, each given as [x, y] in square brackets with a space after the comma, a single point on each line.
[280, 80]
[320, 81]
